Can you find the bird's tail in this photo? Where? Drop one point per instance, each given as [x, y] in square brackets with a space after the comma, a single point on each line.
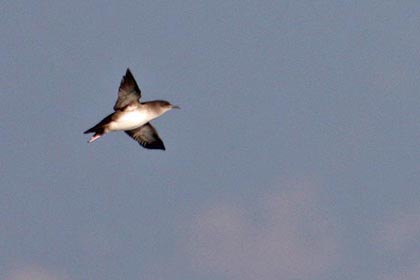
[97, 129]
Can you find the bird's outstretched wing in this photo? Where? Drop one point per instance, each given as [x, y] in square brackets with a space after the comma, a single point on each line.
[128, 92]
[147, 136]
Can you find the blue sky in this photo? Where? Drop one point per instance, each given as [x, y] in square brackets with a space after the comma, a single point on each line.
[295, 154]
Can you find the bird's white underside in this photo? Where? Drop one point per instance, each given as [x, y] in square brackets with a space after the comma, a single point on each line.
[130, 120]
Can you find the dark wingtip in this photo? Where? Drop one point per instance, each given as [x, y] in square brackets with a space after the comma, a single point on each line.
[128, 79]
[154, 146]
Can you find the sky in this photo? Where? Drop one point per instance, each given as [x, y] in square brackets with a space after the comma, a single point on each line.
[295, 154]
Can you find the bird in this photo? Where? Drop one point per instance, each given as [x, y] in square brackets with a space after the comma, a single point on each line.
[132, 116]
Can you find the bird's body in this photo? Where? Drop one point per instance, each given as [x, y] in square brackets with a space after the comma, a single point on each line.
[132, 116]
[130, 120]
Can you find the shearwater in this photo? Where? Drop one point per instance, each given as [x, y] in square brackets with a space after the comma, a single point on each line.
[132, 116]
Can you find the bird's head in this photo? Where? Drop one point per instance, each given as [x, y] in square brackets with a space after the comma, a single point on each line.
[165, 105]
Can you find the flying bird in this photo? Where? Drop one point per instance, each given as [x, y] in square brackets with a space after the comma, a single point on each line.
[132, 116]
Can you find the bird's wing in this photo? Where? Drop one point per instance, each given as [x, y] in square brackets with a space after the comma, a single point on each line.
[128, 93]
[147, 136]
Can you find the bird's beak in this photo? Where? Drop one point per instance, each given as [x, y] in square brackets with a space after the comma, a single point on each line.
[175, 107]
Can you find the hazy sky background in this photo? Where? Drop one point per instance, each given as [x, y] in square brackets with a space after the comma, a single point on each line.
[295, 154]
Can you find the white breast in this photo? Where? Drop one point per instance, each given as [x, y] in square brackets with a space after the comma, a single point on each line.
[130, 120]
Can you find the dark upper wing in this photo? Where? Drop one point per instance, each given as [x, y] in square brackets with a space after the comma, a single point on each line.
[128, 92]
[147, 136]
